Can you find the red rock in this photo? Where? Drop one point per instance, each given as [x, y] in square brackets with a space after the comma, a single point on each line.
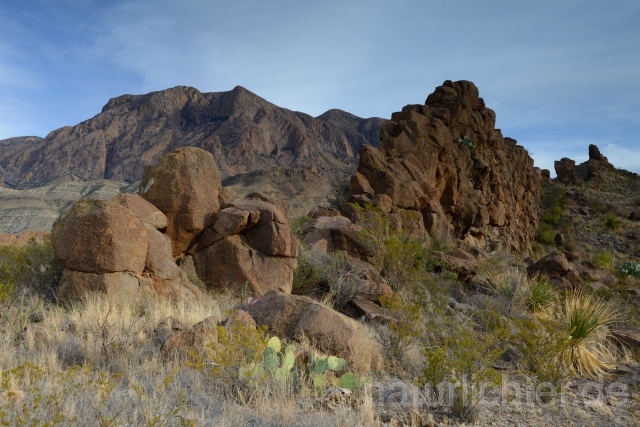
[98, 236]
[144, 210]
[195, 339]
[119, 287]
[552, 265]
[192, 203]
[232, 264]
[488, 182]
[297, 317]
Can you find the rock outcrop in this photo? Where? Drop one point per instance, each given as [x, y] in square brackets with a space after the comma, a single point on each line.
[250, 247]
[567, 172]
[446, 160]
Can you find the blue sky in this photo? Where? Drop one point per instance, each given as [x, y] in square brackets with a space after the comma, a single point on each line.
[559, 74]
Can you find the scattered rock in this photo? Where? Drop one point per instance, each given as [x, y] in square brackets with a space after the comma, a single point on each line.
[372, 312]
[194, 339]
[462, 263]
[552, 265]
[241, 317]
[337, 233]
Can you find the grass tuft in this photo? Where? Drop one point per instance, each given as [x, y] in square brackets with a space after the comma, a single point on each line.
[587, 319]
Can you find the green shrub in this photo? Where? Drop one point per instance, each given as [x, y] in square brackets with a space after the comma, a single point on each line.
[29, 267]
[612, 222]
[542, 345]
[467, 142]
[511, 286]
[297, 225]
[309, 274]
[546, 235]
[458, 354]
[541, 295]
[407, 327]
[603, 260]
[586, 319]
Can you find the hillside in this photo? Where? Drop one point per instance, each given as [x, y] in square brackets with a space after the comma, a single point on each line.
[242, 130]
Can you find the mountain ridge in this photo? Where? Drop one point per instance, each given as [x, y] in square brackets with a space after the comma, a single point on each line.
[243, 131]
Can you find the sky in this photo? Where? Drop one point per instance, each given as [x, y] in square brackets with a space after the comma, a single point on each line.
[560, 75]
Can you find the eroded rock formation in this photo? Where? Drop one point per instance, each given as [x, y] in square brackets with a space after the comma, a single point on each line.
[446, 160]
[250, 247]
[114, 248]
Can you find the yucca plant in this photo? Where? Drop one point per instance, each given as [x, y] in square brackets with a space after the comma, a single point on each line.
[541, 295]
[587, 320]
[512, 286]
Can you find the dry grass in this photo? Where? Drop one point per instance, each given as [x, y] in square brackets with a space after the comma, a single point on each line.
[589, 352]
[101, 364]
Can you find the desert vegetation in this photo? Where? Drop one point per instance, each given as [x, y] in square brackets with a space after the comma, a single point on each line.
[96, 363]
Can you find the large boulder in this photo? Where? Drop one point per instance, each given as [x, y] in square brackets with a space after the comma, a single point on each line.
[184, 185]
[250, 247]
[118, 287]
[99, 236]
[298, 317]
[106, 248]
[446, 160]
[167, 279]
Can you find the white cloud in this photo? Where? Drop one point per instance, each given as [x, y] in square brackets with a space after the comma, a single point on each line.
[622, 157]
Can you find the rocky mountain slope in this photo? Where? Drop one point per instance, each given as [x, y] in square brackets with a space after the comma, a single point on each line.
[243, 131]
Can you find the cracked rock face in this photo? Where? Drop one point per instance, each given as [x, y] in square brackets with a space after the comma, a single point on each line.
[250, 248]
[446, 160]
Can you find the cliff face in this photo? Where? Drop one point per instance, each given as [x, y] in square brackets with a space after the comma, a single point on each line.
[243, 132]
[446, 160]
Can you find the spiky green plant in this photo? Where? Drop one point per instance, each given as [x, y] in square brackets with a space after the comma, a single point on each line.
[587, 320]
[541, 295]
[512, 286]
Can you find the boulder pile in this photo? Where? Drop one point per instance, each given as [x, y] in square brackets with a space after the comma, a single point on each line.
[130, 245]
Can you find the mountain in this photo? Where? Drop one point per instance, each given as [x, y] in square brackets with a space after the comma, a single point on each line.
[244, 132]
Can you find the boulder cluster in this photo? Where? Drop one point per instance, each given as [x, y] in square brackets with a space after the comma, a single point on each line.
[132, 244]
[447, 162]
[180, 228]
